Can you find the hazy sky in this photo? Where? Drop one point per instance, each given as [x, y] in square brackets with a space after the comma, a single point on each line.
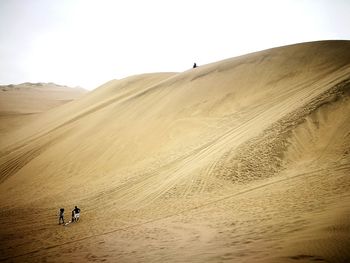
[90, 42]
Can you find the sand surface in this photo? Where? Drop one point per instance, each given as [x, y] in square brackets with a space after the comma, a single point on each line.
[22, 103]
[242, 160]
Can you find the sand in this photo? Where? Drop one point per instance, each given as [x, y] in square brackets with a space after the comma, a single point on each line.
[242, 160]
[22, 103]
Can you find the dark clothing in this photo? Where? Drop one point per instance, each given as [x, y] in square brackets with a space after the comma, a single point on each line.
[75, 214]
[61, 216]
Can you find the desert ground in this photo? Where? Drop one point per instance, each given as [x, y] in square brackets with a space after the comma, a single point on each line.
[20, 104]
[242, 160]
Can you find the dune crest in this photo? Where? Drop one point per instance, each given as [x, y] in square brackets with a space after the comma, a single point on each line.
[242, 160]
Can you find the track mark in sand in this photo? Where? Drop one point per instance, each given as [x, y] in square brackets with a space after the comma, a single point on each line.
[269, 146]
[308, 257]
[311, 173]
[24, 154]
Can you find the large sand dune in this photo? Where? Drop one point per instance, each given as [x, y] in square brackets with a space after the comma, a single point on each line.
[243, 160]
[20, 104]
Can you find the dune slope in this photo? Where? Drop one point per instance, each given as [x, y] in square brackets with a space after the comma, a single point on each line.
[20, 104]
[243, 160]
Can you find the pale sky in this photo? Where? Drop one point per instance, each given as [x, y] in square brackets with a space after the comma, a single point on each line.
[89, 42]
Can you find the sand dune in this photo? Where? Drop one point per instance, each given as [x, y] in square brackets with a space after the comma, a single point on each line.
[242, 160]
[20, 104]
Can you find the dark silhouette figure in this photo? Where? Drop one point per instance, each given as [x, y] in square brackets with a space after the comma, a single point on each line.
[194, 65]
[76, 212]
[61, 216]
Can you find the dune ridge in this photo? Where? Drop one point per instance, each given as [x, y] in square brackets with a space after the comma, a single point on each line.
[242, 160]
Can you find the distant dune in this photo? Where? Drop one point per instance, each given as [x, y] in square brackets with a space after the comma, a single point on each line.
[242, 160]
[21, 103]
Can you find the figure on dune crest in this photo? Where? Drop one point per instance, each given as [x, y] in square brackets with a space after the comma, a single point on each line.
[194, 65]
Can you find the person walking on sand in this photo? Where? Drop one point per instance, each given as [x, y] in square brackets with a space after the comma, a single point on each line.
[61, 216]
[72, 215]
[194, 65]
[76, 214]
